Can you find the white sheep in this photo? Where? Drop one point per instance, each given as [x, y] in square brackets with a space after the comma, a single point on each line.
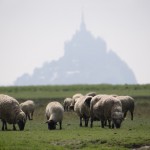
[54, 113]
[94, 100]
[74, 99]
[67, 103]
[10, 112]
[127, 105]
[82, 108]
[28, 108]
[109, 108]
[77, 95]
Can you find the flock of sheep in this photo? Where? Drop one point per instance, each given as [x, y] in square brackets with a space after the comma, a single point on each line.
[111, 109]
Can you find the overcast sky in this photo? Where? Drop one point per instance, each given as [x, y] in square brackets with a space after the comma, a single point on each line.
[34, 31]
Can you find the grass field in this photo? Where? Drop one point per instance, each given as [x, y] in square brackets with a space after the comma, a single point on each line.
[132, 134]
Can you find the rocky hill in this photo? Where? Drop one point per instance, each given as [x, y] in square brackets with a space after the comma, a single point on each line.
[86, 60]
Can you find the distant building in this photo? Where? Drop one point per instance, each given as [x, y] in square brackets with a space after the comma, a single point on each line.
[86, 60]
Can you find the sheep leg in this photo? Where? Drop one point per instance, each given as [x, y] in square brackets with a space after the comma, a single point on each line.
[125, 113]
[131, 115]
[64, 108]
[91, 122]
[60, 124]
[86, 122]
[4, 125]
[80, 121]
[29, 116]
[109, 123]
[102, 123]
[67, 108]
[102, 118]
[113, 125]
[26, 116]
[106, 122]
[32, 115]
[14, 128]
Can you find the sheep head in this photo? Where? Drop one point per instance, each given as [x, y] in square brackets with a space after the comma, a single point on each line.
[21, 120]
[88, 100]
[117, 118]
[51, 124]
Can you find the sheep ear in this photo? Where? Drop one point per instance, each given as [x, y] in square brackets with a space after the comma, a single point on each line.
[88, 101]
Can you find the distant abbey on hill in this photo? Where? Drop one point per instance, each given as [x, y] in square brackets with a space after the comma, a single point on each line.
[86, 60]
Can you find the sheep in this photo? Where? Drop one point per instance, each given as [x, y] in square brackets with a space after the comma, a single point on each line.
[91, 94]
[54, 113]
[82, 108]
[10, 112]
[109, 108]
[94, 100]
[77, 95]
[67, 103]
[74, 99]
[127, 105]
[28, 108]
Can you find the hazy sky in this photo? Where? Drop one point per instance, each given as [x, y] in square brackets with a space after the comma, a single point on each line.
[34, 31]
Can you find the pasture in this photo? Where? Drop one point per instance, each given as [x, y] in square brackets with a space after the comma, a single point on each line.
[131, 135]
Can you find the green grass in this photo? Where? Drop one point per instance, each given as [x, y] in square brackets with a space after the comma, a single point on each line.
[60, 92]
[36, 135]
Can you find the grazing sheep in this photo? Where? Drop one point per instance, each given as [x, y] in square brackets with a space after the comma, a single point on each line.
[28, 108]
[127, 105]
[82, 108]
[54, 113]
[109, 108]
[74, 99]
[94, 100]
[67, 103]
[10, 112]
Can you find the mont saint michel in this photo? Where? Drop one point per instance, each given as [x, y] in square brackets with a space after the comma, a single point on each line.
[86, 60]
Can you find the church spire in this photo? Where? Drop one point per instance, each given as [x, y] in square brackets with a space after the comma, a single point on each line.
[82, 25]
